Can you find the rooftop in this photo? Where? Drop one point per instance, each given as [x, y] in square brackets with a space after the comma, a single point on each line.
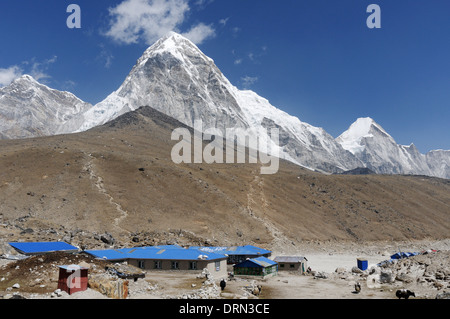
[235, 250]
[289, 259]
[42, 247]
[155, 252]
[259, 261]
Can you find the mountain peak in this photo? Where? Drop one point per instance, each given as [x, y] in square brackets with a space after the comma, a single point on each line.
[26, 78]
[175, 44]
[363, 127]
[173, 34]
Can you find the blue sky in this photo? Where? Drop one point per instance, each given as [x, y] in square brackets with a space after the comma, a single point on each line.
[316, 60]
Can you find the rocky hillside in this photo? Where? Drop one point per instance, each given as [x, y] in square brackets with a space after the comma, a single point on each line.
[119, 179]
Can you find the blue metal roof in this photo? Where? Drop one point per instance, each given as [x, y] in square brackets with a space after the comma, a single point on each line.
[42, 247]
[235, 250]
[155, 252]
[260, 262]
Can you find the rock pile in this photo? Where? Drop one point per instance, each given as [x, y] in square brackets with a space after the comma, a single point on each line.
[428, 273]
[208, 290]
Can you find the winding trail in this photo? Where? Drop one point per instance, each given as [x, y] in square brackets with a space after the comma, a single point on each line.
[99, 184]
[256, 202]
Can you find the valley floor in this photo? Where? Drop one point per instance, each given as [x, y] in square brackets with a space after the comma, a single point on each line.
[333, 276]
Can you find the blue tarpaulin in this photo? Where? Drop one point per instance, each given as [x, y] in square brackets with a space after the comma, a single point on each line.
[396, 256]
[401, 255]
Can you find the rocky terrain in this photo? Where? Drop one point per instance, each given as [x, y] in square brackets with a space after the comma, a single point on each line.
[119, 180]
[116, 186]
[426, 274]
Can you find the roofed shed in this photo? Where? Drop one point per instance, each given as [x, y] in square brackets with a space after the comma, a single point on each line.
[73, 278]
[237, 254]
[292, 263]
[259, 267]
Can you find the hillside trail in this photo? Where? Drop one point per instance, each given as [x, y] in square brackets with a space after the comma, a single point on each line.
[256, 207]
[99, 184]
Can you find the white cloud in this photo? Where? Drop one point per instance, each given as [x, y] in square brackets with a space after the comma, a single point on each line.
[235, 31]
[69, 85]
[39, 69]
[10, 74]
[148, 20]
[224, 21]
[105, 56]
[248, 81]
[200, 33]
[203, 3]
[238, 61]
[133, 21]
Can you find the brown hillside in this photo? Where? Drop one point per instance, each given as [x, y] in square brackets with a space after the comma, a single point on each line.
[120, 179]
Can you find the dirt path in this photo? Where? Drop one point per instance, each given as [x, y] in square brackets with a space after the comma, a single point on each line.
[257, 203]
[99, 184]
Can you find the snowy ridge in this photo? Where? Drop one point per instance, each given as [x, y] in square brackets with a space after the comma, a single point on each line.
[174, 77]
[351, 139]
[370, 143]
[29, 108]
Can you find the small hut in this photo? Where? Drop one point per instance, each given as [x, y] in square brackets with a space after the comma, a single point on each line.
[73, 278]
[256, 267]
[292, 263]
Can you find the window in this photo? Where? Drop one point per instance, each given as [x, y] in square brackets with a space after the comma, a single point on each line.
[292, 266]
[193, 265]
[157, 264]
[217, 264]
[141, 264]
[175, 265]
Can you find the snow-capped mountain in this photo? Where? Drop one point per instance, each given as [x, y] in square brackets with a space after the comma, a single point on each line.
[371, 144]
[29, 109]
[439, 162]
[174, 77]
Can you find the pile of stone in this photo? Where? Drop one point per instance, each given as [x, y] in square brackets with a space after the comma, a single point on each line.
[429, 271]
[110, 286]
[208, 290]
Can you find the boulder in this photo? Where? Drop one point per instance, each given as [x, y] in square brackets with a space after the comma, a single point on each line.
[404, 278]
[356, 270]
[386, 277]
[107, 239]
[443, 295]
[340, 270]
[112, 288]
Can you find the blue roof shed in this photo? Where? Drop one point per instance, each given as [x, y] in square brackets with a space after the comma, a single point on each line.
[260, 266]
[34, 248]
[237, 254]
